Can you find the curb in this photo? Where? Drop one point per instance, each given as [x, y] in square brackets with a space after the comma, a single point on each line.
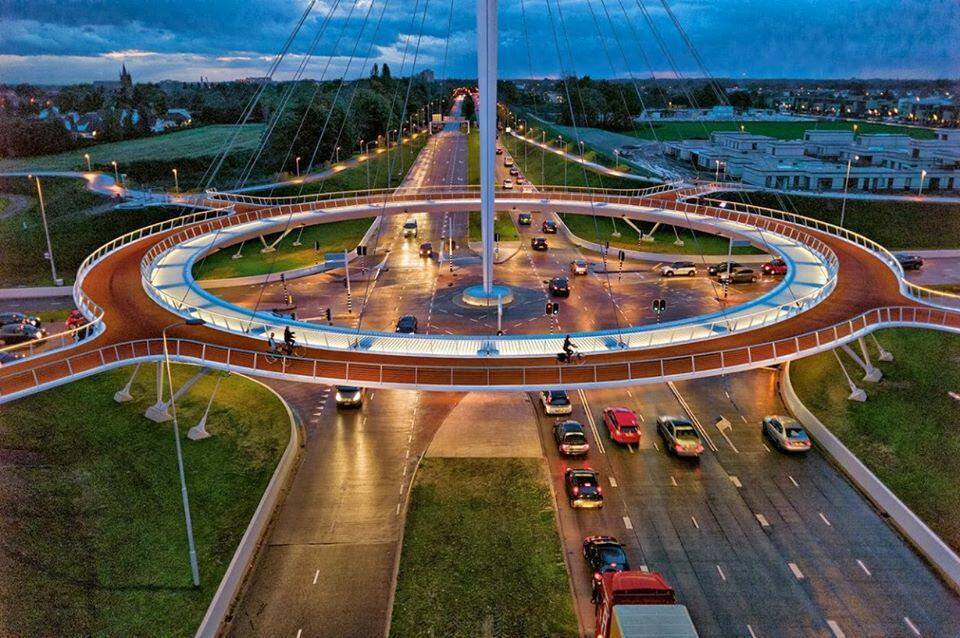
[943, 559]
[403, 531]
[234, 578]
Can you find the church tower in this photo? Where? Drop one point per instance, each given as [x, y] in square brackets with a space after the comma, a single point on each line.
[126, 83]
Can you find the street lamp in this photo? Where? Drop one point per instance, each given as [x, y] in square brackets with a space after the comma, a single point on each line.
[543, 154]
[176, 181]
[846, 184]
[46, 230]
[86, 156]
[191, 547]
[116, 173]
[616, 157]
[298, 166]
[373, 143]
[338, 155]
[923, 174]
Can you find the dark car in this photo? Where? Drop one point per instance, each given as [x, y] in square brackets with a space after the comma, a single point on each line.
[407, 324]
[499, 151]
[679, 436]
[774, 267]
[538, 243]
[426, 249]
[583, 488]
[739, 276]
[549, 226]
[7, 318]
[909, 262]
[6, 358]
[570, 438]
[349, 396]
[559, 287]
[604, 554]
[524, 219]
[16, 333]
[716, 269]
[514, 171]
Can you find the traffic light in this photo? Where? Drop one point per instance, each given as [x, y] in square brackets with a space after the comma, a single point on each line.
[623, 255]
[316, 245]
[361, 250]
[496, 237]
[659, 305]
[329, 318]
[553, 308]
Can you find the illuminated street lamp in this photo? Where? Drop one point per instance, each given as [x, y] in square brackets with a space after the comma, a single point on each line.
[846, 184]
[46, 231]
[923, 175]
[298, 166]
[176, 181]
[369, 144]
[86, 156]
[616, 157]
[338, 155]
[116, 173]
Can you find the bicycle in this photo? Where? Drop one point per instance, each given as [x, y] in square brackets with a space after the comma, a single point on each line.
[282, 352]
[575, 358]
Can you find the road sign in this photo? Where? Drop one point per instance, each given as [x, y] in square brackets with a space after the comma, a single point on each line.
[335, 259]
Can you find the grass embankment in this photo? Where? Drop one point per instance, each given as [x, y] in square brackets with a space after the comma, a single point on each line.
[894, 224]
[203, 141]
[502, 223]
[3, 204]
[687, 130]
[77, 228]
[906, 431]
[600, 229]
[480, 560]
[92, 524]
[333, 237]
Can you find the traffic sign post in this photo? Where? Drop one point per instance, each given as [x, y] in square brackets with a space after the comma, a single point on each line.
[620, 271]
[659, 305]
[346, 268]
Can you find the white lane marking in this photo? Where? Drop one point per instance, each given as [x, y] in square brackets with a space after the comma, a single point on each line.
[316, 576]
[627, 523]
[644, 568]
[299, 633]
[913, 628]
[722, 575]
[613, 481]
[695, 523]
[673, 482]
[744, 419]
[655, 446]
[763, 520]
[736, 482]
[824, 519]
[630, 448]
[835, 628]
[864, 567]
[750, 629]
[398, 509]
[404, 470]
[796, 570]
[371, 396]
[592, 422]
[793, 480]
[765, 446]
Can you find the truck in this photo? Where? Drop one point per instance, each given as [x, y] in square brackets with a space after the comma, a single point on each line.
[635, 604]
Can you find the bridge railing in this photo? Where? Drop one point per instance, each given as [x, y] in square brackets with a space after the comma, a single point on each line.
[17, 382]
[928, 295]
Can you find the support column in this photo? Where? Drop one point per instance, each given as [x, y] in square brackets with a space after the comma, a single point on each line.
[158, 411]
[487, 119]
[199, 431]
[885, 355]
[856, 394]
[871, 373]
[123, 394]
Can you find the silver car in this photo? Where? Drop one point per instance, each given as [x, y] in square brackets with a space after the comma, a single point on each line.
[786, 433]
[349, 396]
[679, 436]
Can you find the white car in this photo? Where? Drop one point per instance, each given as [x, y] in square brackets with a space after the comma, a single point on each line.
[507, 162]
[556, 402]
[678, 268]
[786, 433]
[410, 228]
[508, 184]
[578, 267]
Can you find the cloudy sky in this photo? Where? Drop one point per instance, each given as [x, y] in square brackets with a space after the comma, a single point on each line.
[63, 41]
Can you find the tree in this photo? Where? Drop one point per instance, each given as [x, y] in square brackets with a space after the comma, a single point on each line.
[740, 100]
[385, 71]
[375, 71]
[468, 110]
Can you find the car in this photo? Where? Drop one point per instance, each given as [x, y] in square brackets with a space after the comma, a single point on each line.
[410, 228]
[521, 180]
[6, 358]
[570, 438]
[774, 267]
[739, 276]
[604, 554]
[407, 324]
[349, 396]
[538, 243]
[786, 433]
[7, 318]
[715, 269]
[499, 151]
[909, 262]
[556, 402]
[679, 436]
[622, 425]
[508, 184]
[559, 287]
[16, 333]
[525, 219]
[426, 249]
[514, 171]
[578, 266]
[508, 162]
[678, 268]
[583, 488]
[549, 227]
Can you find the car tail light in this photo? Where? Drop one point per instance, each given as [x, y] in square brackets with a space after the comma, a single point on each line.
[699, 449]
[678, 447]
[597, 576]
[576, 491]
[599, 490]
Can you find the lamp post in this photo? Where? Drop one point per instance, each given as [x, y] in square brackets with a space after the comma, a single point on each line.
[717, 177]
[298, 166]
[46, 231]
[191, 547]
[373, 143]
[116, 173]
[562, 152]
[846, 184]
[543, 154]
[616, 158]
[923, 175]
[337, 161]
[86, 156]
[176, 181]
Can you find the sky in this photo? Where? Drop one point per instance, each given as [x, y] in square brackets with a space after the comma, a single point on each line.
[67, 41]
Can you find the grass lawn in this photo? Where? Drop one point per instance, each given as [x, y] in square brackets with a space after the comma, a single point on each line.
[667, 131]
[92, 523]
[600, 229]
[896, 225]
[502, 223]
[75, 230]
[202, 141]
[3, 204]
[478, 560]
[906, 431]
[332, 237]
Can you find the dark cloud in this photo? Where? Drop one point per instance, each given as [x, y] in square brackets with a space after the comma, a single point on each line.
[56, 41]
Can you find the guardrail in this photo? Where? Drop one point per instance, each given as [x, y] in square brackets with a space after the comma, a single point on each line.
[932, 296]
[491, 377]
[253, 323]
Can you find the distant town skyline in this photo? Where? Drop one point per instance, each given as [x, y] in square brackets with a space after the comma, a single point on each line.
[42, 43]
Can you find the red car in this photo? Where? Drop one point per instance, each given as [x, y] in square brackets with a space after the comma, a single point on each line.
[774, 267]
[622, 425]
